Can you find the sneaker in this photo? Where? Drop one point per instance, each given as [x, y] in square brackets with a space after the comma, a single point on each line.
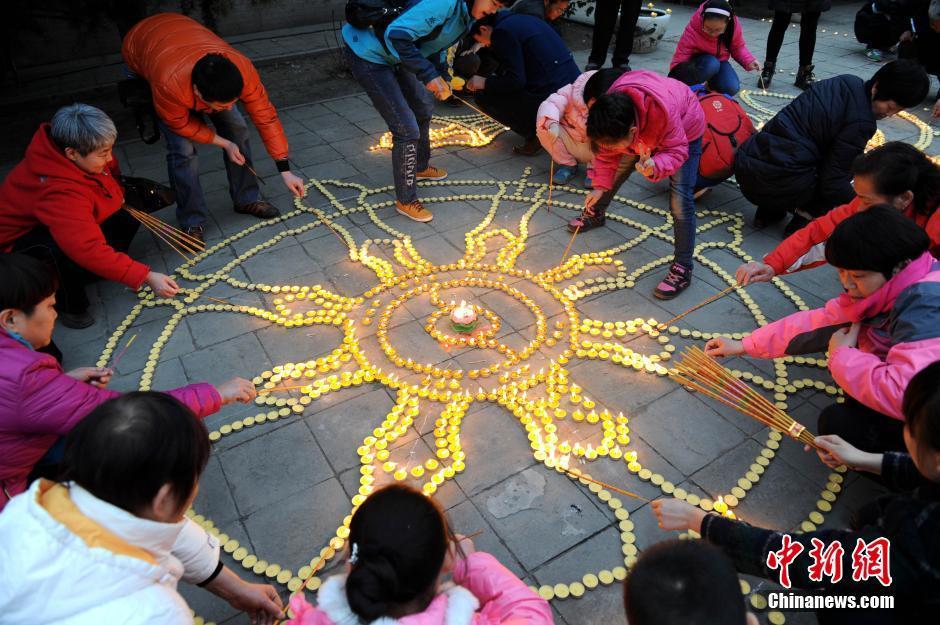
[583, 223]
[431, 173]
[592, 66]
[414, 210]
[588, 181]
[677, 279]
[873, 54]
[564, 174]
[531, 147]
[261, 209]
[76, 321]
[197, 232]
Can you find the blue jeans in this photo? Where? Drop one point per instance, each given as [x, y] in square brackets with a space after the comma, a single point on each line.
[681, 200]
[183, 165]
[703, 68]
[406, 106]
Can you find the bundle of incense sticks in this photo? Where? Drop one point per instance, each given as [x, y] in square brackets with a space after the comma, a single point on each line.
[702, 373]
[174, 237]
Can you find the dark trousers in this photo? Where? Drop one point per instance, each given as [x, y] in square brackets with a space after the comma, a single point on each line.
[605, 16]
[119, 230]
[808, 22]
[867, 429]
[516, 110]
[925, 49]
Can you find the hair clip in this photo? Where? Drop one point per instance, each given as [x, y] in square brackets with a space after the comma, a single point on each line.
[354, 554]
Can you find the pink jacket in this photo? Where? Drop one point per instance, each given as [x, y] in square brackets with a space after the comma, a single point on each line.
[668, 118]
[567, 108]
[900, 335]
[487, 593]
[694, 41]
[39, 403]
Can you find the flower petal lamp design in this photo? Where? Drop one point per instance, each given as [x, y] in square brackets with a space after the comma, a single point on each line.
[463, 318]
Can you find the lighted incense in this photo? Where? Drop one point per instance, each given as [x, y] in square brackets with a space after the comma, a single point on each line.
[551, 183]
[490, 117]
[254, 173]
[172, 230]
[702, 304]
[570, 243]
[700, 372]
[293, 387]
[580, 476]
[120, 355]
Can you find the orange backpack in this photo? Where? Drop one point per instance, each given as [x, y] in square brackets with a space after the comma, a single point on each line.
[727, 127]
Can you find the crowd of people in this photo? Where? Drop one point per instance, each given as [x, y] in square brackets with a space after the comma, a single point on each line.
[94, 484]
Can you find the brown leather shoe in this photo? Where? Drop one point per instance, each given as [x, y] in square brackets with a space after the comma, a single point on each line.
[261, 209]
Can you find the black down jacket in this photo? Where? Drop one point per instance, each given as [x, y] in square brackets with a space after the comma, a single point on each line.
[802, 157]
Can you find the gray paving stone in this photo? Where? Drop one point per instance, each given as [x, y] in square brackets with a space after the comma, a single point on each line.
[340, 428]
[496, 446]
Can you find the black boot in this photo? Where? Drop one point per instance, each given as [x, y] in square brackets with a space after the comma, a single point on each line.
[766, 75]
[768, 216]
[805, 77]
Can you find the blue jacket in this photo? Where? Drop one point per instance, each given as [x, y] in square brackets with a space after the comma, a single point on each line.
[418, 38]
[803, 156]
[532, 56]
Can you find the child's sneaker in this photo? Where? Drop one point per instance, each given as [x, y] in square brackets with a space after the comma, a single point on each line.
[677, 279]
[414, 210]
[431, 173]
[874, 54]
[564, 174]
[584, 223]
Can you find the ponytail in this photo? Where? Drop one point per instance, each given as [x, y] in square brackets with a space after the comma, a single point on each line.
[896, 167]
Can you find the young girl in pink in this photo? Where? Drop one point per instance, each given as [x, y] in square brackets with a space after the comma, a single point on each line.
[561, 123]
[400, 548]
[711, 37]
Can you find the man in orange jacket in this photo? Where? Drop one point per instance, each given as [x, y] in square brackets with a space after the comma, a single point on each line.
[194, 74]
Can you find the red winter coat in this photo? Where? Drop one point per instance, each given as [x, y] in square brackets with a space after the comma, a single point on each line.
[805, 248]
[39, 403]
[163, 49]
[47, 189]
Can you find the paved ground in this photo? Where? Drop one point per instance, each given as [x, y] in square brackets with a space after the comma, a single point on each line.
[278, 487]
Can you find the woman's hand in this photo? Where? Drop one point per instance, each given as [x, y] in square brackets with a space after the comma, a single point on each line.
[645, 164]
[591, 200]
[454, 555]
[237, 389]
[476, 83]
[674, 514]
[260, 601]
[753, 66]
[440, 88]
[719, 347]
[96, 376]
[293, 182]
[161, 284]
[835, 451]
[754, 272]
[844, 337]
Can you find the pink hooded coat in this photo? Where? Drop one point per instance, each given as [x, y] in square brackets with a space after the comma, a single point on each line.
[487, 593]
[668, 117]
[900, 335]
[39, 403]
[694, 41]
[567, 108]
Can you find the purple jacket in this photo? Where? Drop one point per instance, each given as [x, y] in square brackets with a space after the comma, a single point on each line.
[39, 403]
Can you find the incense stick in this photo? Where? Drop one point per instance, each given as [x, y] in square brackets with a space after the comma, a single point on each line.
[568, 248]
[700, 372]
[117, 358]
[582, 476]
[266, 391]
[705, 302]
[252, 170]
[551, 184]
[176, 232]
[490, 117]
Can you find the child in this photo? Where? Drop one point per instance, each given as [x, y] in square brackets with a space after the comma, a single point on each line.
[684, 582]
[655, 125]
[711, 37]
[909, 519]
[884, 328]
[400, 548]
[895, 173]
[561, 123]
[110, 543]
[39, 402]
[801, 159]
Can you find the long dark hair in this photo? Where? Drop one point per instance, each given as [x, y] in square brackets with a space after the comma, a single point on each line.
[399, 538]
[878, 239]
[728, 36]
[896, 167]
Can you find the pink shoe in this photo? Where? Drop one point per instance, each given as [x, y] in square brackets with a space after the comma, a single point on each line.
[677, 279]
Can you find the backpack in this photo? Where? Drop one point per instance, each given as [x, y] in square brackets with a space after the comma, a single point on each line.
[727, 126]
[377, 14]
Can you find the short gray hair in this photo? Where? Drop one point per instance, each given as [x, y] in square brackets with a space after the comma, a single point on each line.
[83, 128]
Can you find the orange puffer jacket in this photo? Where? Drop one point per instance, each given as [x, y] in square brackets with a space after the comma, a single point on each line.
[163, 50]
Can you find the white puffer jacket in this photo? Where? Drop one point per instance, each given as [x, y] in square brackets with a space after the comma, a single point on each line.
[67, 557]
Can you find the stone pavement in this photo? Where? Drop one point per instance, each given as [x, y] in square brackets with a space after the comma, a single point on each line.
[279, 486]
